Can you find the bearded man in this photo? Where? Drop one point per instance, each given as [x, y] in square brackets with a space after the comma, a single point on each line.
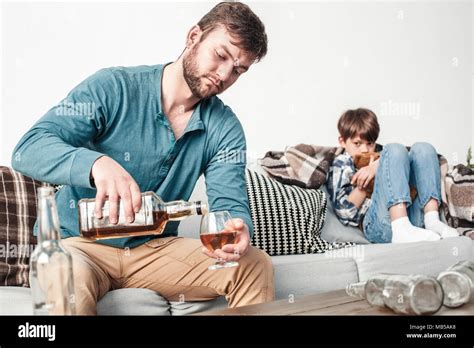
[157, 128]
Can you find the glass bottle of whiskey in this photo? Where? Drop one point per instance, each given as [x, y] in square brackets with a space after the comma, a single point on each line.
[151, 219]
[51, 277]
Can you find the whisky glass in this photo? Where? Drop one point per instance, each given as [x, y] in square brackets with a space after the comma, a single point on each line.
[216, 231]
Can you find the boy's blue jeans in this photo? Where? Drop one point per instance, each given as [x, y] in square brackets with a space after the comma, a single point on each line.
[398, 169]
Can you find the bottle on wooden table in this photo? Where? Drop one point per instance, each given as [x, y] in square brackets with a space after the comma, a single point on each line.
[458, 284]
[404, 294]
[371, 290]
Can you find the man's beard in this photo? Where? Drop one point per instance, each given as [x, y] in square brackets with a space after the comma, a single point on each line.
[192, 78]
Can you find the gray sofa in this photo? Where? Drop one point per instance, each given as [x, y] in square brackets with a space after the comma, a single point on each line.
[295, 275]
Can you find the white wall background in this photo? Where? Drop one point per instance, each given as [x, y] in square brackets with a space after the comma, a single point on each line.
[411, 62]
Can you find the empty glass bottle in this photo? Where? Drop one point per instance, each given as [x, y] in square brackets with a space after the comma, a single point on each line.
[405, 294]
[458, 284]
[151, 218]
[51, 276]
[371, 290]
[413, 294]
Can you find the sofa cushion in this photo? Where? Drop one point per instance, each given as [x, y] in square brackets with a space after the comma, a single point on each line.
[15, 300]
[335, 231]
[429, 258]
[286, 219]
[310, 274]
[132, 302]
[148, 302]
[17, 217]
[185, 308]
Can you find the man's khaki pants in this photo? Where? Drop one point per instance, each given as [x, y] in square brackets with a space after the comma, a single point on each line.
[175, 267]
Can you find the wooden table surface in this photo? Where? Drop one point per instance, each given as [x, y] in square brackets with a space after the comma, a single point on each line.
[329, 303]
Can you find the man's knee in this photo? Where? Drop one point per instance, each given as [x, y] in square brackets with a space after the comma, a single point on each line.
[258, 261]
[84, 275]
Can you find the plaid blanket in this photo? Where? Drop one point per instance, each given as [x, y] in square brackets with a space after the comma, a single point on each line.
[307, 166]
[459, 210]
[302, 165]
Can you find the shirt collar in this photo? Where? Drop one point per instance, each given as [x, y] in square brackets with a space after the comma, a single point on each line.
[195, 122]
[347, 157]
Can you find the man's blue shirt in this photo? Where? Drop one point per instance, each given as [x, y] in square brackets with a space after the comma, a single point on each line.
[117, 112]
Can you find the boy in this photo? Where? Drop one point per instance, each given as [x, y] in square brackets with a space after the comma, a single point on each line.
[389, 215]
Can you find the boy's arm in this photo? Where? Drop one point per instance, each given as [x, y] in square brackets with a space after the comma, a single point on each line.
[365, 175]
[357, 197]
[345, 198]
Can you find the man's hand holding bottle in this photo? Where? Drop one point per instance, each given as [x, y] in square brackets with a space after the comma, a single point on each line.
[114, 183]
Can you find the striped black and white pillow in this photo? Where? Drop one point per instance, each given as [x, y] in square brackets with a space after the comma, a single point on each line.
[287, 219]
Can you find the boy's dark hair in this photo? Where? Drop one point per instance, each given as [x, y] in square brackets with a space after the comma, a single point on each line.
[241, 23]
[359, 122]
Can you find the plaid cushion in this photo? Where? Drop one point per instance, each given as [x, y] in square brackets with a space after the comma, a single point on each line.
[460, 197]
[17, 217]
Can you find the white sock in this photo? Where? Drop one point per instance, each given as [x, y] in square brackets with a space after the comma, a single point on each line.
[433, 223]
[404, 232]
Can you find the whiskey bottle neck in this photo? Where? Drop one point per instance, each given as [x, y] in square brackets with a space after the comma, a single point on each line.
[356, 289]
[48, 220]
[179, 210]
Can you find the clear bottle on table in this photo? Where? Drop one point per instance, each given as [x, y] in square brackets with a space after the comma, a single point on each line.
[404, 294]
[458, 284]
[51, 274]
[371, 290]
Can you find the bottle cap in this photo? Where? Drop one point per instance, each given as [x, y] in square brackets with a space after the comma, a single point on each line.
[45, 190]
[201, 208]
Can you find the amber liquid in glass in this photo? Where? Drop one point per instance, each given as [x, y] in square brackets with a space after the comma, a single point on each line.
[214, 241]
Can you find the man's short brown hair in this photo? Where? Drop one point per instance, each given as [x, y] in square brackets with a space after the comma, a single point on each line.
[359, 122]
[241, 23]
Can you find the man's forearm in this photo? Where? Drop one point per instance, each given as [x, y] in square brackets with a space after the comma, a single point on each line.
[56, 149]
[43, 155]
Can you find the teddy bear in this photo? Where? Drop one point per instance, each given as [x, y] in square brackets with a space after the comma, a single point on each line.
[362, 160]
